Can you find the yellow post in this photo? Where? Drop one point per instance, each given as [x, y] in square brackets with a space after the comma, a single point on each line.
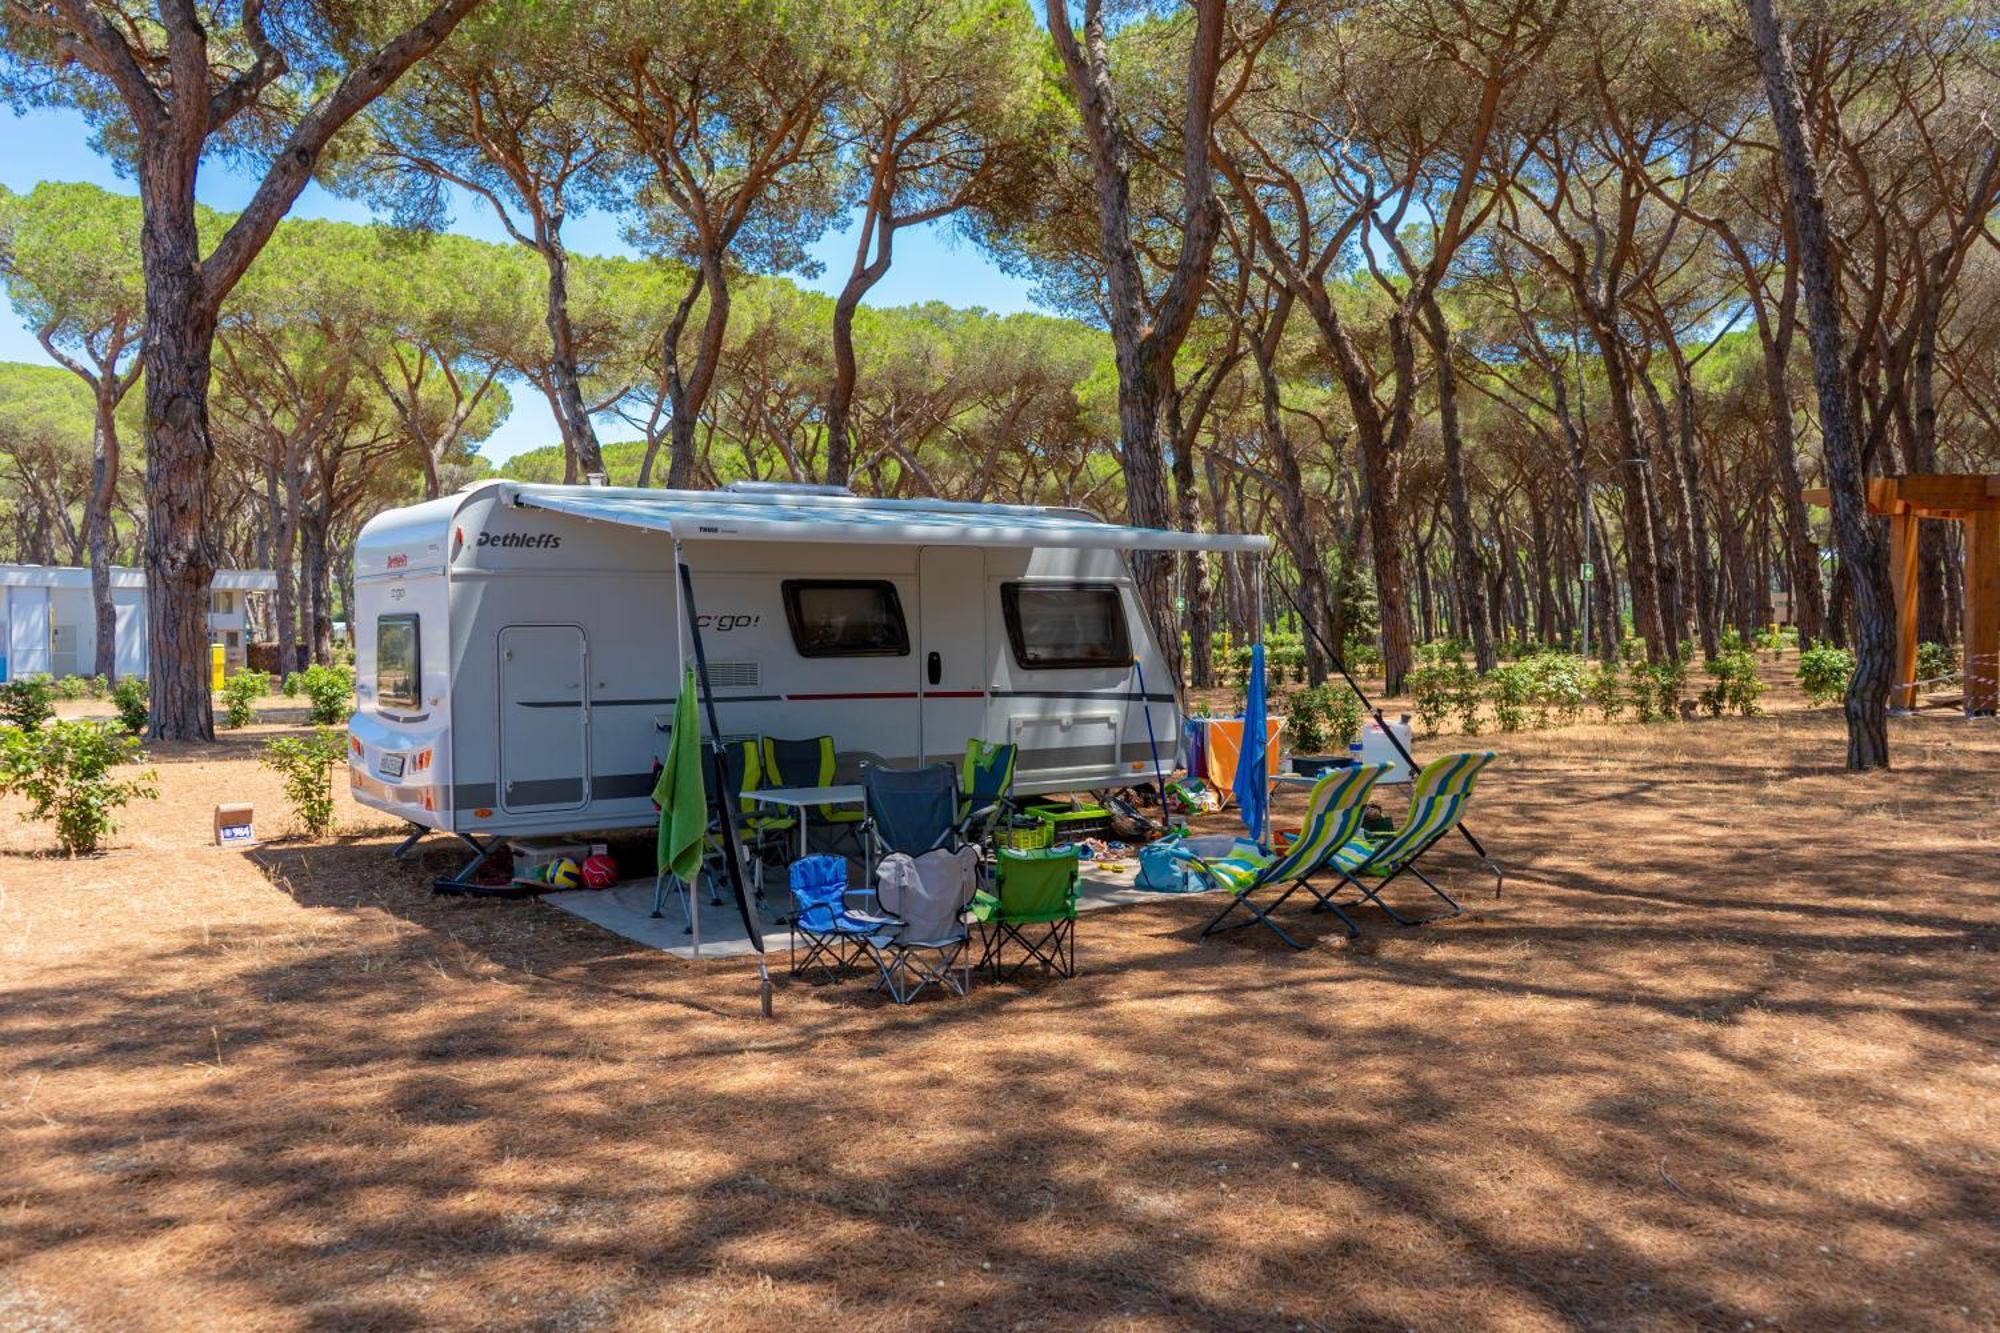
[215, 666]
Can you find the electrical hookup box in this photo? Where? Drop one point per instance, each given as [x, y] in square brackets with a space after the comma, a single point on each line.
[235, 826]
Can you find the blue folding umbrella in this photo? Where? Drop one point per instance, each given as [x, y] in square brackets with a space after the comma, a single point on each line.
[1253, 763]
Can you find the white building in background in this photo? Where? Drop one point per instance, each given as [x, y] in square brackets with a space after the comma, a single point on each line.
[50, 627]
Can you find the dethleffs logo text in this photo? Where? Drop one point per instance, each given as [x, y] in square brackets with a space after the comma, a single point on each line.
[540, 541]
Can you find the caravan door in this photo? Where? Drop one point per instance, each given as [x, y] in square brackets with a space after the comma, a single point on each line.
[952, 669]
[128, 607]
[28, 633]
[544, 718]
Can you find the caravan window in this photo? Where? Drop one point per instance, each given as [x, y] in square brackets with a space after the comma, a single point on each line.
[398, 664]
[846, 618]
[1066, 625]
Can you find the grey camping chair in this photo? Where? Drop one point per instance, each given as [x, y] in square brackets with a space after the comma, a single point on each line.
[927, 947]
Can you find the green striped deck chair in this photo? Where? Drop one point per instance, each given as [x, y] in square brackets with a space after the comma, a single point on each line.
[1438, 798]
[1333, 817]
[985, 788]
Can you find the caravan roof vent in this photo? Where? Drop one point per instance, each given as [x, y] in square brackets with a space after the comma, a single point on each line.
[783, 488]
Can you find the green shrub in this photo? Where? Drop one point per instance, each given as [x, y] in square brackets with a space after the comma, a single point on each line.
[1466, 697]
[1430, 695]
[1441, 684]
[329, 692]
[1669, 681]
[1606, 690]
[1775, 641]
[64, 772]
[28, 702]
[1824, 672]
[72, 688]
[1737, 685]
[1343, 715]
[306, 764]
[1640, 691]
[1510, 687]
[240, 694]
[1305, 718]
[99, 687]
[1558, 686]
[1936, 661]
[290, 685]
[1323, 719]
[133, 701]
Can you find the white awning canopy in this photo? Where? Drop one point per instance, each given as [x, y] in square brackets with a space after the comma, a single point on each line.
[794, 517]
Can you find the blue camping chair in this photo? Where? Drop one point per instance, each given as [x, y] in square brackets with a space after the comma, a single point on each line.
[836, 939]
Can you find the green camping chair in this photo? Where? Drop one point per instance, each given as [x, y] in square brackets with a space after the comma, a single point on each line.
[1033, 904]
[1334, 811]
[759, 827]
[1438, 798]
[985, 788]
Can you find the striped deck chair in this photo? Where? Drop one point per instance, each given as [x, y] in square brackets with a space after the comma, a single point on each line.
[1438, 798]
[1333, 817]
[985, 788]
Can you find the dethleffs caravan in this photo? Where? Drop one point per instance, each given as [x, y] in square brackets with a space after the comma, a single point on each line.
[519, 644]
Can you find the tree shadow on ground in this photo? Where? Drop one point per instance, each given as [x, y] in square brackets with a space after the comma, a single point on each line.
[1647, 1087]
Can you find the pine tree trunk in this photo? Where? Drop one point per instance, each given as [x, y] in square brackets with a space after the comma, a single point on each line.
[1702, 570]
[1863, 554]
[1642, 566]
[1295, 518]
[581, 454]
[314, 573]
[1139, 398]
[1467, 567]
[1801, 551]
[180, 561]
[1197, 586]
[690, 392]
[104, 464]
[840, 397]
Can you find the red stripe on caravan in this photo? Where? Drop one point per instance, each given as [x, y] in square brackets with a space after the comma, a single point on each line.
[889, 694]
[884, 694]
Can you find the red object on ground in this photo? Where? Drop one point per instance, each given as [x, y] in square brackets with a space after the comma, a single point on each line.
[599, 871]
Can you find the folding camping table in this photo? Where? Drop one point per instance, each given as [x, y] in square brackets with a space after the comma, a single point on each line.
[1308, 779]
[803, 798]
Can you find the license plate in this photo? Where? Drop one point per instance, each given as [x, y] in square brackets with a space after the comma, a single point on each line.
[392, 766]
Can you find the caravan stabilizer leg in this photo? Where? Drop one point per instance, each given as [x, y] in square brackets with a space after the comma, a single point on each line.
[417, 831]
[461, 884]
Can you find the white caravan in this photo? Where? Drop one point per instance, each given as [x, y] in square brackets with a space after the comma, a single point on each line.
[519, 646]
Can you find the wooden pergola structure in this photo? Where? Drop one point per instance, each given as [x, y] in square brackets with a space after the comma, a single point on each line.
[1973, 500]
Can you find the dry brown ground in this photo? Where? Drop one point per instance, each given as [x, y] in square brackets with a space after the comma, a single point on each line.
[1723, 1056]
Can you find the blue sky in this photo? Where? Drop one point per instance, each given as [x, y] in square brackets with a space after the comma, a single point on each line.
[930, 263]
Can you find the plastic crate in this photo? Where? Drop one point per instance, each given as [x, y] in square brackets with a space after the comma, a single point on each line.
[1026, 835]
[1067, 823]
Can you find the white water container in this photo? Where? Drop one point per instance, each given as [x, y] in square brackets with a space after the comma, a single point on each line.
[1377, 748]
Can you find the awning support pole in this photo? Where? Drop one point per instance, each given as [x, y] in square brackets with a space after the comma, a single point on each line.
[732, 852]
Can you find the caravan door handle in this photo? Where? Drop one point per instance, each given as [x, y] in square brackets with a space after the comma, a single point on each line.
[935, 668]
